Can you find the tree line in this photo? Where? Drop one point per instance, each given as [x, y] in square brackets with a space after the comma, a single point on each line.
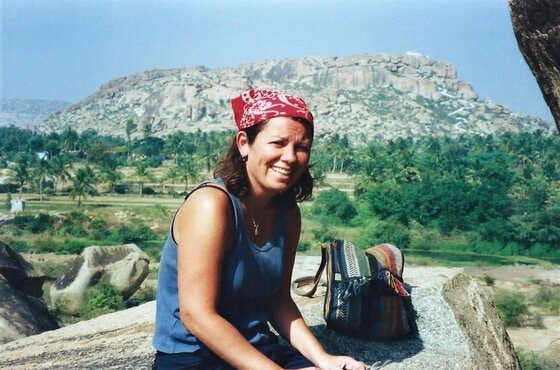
[498, 194]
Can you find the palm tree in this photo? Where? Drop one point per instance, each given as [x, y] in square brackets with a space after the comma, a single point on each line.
[143, 172]
[109, 172]
[41, 174]
[187, 168]
[87, 142]
[174, 145]
[340, 149]
[82, 184]
[172, 174]
[59, 167]
[69, 139]
[21, 174]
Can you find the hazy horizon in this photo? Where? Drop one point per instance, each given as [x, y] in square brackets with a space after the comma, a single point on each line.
[65, 50]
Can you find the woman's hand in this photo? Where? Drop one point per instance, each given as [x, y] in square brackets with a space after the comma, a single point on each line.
[341, 363]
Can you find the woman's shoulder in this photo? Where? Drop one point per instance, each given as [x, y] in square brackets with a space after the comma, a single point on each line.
[204, 208]
[209, 196]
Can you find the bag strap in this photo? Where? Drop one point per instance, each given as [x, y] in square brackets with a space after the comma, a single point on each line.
[306, 280]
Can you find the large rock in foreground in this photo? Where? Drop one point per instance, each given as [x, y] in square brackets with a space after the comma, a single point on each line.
[22, 309]
[124, 266]
[458, 328]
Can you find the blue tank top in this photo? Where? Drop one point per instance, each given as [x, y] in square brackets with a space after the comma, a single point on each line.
[251, 274]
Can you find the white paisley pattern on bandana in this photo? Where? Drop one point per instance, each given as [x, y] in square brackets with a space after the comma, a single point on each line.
[257, 105]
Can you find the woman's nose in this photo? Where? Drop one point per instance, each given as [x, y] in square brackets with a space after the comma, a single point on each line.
[289, 154]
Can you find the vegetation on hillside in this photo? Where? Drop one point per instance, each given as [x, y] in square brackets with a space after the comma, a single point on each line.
[479, 194]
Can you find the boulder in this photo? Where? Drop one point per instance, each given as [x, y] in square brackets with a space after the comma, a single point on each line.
[124, 266]
[458, 328]
[536, 25]
[19, 273]
[22, 310]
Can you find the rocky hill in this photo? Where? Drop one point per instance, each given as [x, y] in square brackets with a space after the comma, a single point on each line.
[27, 113]
[367, 96]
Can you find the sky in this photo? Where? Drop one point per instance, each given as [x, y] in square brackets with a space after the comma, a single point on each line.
[66, 49]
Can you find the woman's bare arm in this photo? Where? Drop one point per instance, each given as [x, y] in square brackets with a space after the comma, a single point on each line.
[203, 229]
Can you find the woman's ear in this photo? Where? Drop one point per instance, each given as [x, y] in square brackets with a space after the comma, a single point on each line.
[242, 143]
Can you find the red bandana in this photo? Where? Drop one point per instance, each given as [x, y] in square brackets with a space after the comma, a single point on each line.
[257, 105]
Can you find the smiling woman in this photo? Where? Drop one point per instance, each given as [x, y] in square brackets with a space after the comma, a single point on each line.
[226, 266]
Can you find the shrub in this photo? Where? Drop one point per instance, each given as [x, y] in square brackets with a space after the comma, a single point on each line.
[43, 222]
[424, 238]
[121, 188]
[20, 221]
[72, 247]
[102, 299]
[148, 191]
[513, 249]
[19, 245]
[334, 206]
[304, 246]
[512, 307]
[540, 250]
[124, 234]
[528, 360]
[323, 234]
[389, 231]
[35, 224]
[143, 295]
[45, 244]
[73, 224]
[487, 247]
[488, 280]
[99, 229]
[548, 298]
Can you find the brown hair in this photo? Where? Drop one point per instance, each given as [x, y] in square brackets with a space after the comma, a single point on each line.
[231, 168]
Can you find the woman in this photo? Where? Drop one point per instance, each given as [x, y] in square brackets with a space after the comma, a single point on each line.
[226, 267]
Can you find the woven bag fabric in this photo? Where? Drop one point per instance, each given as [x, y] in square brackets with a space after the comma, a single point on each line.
[366, 296]
[388, 299]
[348, 275]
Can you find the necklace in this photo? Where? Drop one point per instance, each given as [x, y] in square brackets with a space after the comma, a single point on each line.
[257, 224]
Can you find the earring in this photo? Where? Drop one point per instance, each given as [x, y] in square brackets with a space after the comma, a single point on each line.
[244, 158]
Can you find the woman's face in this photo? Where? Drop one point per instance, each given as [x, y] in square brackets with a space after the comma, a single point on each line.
[278, 156]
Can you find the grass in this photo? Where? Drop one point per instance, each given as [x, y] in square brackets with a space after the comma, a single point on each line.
[156, 212]
[467, 259]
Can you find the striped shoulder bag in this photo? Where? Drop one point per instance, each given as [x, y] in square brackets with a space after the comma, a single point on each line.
[365, 297]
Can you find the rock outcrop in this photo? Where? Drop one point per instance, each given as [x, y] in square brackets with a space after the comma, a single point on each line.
[536, 24]
[458, 328]
[124, 266]
[390, 96]
[22, 310]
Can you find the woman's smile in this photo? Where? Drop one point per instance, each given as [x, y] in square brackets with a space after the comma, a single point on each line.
[281, 171]
[279, 154]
